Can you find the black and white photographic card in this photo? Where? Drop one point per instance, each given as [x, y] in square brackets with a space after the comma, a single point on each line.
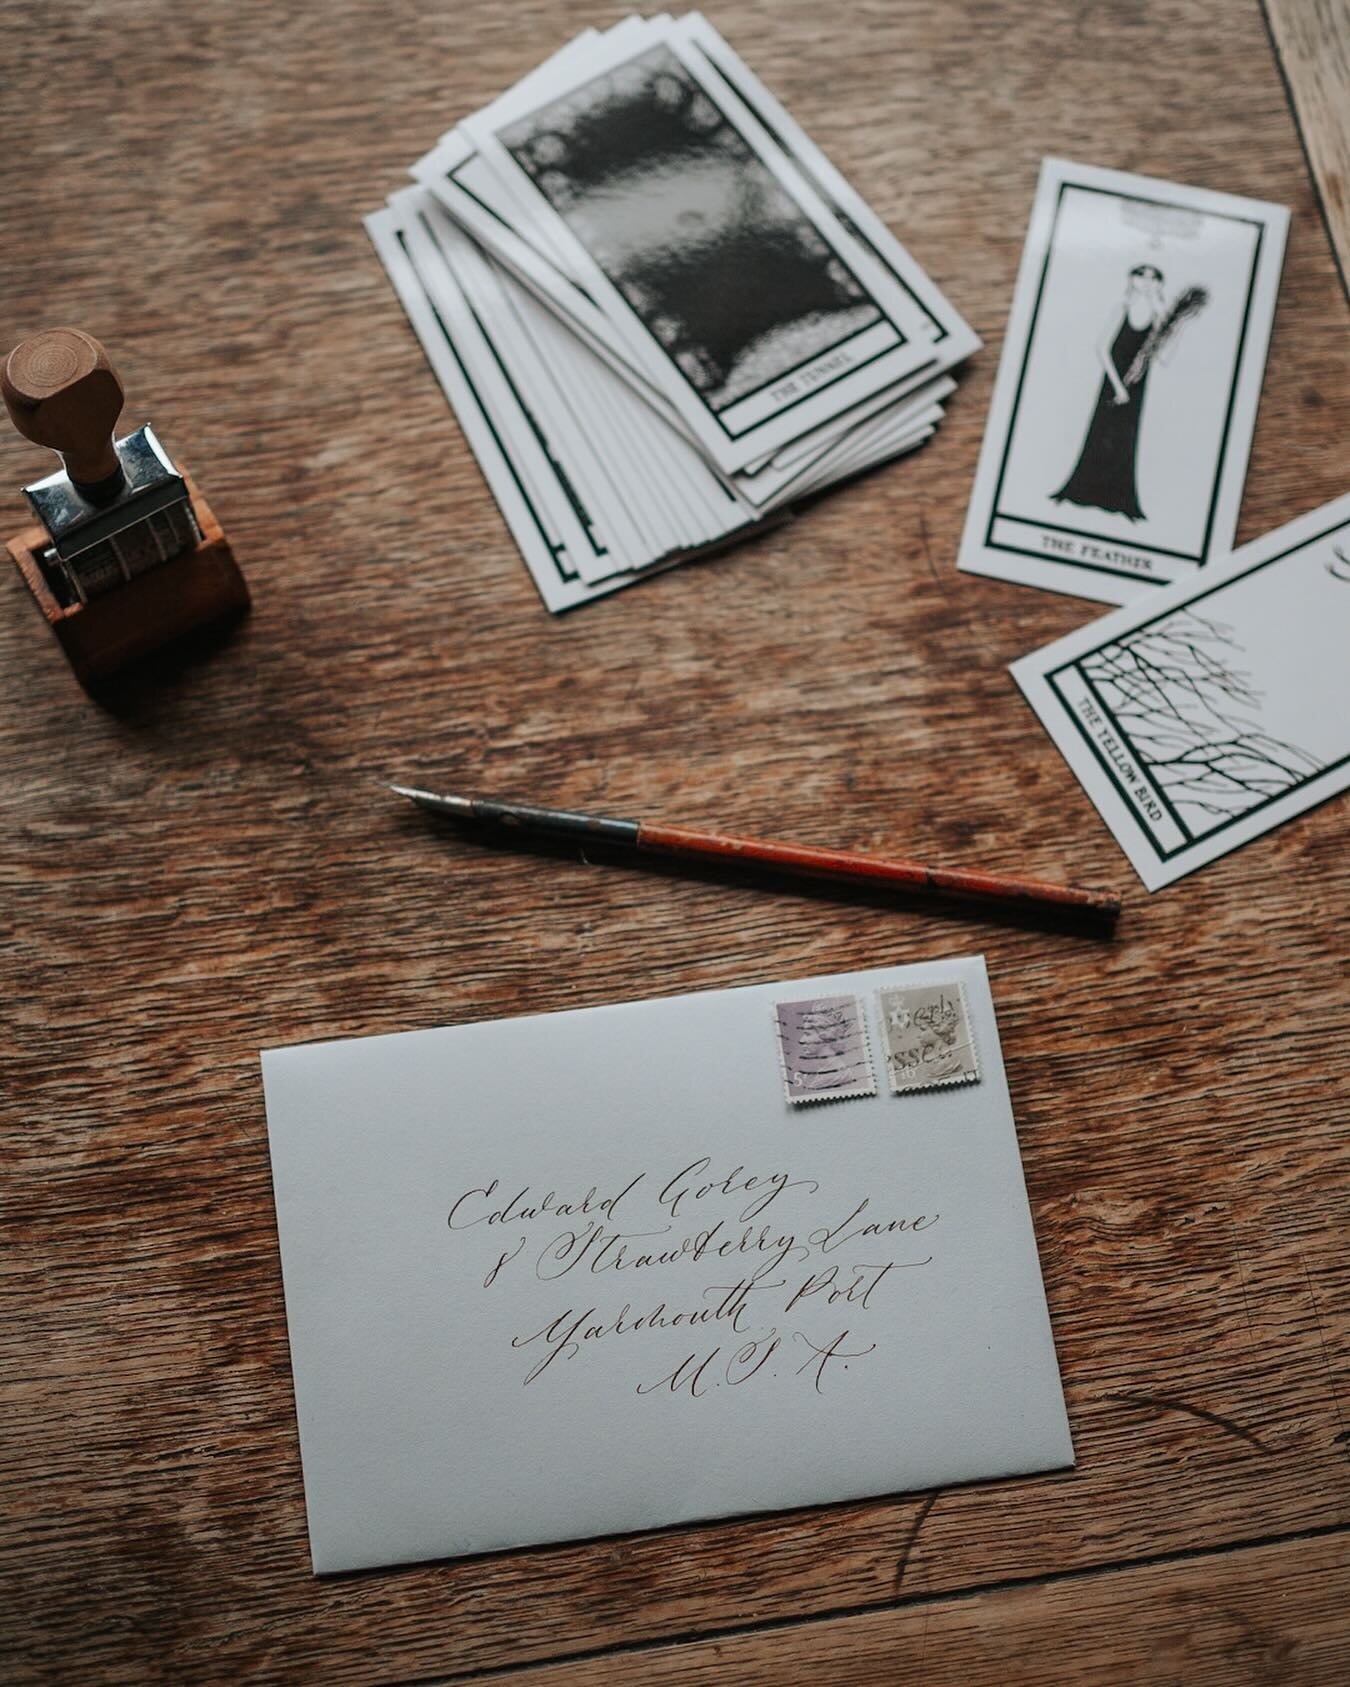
[1122, 418]
[1208, 713]
[759, 313]
[657, 306]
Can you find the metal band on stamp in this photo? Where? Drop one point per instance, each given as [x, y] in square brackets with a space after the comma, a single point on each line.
[927, 1038]
[824, 1049]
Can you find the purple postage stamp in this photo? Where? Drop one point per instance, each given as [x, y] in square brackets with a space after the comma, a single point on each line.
[927, 1037]
[822, 1042]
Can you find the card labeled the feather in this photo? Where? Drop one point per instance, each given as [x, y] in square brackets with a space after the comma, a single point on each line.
[1212, 711]
[1122, 417]
[601, 1270]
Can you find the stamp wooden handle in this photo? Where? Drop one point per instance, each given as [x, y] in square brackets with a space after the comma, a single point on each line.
[61, 391]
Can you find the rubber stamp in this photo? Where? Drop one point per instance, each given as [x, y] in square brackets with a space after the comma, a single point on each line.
[125, 556]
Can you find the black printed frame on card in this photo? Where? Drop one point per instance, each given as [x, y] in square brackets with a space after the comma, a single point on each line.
[485, 413]
[996, 514]
[515, 135]
[491, 426]
[1191, 838]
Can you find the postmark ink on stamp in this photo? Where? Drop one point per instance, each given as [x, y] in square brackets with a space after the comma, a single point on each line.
[823, 1046]
[927, 1037]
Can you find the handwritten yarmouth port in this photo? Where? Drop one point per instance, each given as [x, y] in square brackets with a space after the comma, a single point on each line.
[700, 1253]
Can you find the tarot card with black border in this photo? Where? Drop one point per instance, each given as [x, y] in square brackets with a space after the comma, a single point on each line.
[1122, 417]
[762, 316]
[461, 182]
[598, 427]
[1210, 712]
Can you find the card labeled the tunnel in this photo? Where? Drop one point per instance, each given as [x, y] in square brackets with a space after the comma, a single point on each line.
[1122, 418]
[740, 292]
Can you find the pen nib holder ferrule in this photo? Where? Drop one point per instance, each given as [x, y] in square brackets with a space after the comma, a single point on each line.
[143, 611]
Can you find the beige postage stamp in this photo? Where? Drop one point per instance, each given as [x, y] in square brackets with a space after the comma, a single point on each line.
[927, 1037]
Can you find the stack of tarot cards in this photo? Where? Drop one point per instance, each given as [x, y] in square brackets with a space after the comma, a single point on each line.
[661, 315]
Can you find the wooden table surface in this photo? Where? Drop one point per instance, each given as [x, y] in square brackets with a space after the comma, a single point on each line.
[206, 866]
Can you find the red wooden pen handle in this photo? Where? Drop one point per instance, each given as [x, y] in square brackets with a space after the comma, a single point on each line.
[878, 870]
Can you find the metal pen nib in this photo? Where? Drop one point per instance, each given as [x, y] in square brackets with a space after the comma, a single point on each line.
[522, 817]
[434, 804]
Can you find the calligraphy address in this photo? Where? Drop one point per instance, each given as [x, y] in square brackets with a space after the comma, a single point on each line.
[788, 1299]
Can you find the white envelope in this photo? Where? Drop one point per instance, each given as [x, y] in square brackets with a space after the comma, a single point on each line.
[513, 1255]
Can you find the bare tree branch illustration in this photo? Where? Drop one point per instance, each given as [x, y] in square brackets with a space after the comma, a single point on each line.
[1178, 694]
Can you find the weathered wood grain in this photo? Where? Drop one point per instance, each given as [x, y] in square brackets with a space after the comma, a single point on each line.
[209, 865]
[1267, 1613]
[1312, 38]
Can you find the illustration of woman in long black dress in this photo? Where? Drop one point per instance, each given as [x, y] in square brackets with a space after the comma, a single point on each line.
[1104, 475]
